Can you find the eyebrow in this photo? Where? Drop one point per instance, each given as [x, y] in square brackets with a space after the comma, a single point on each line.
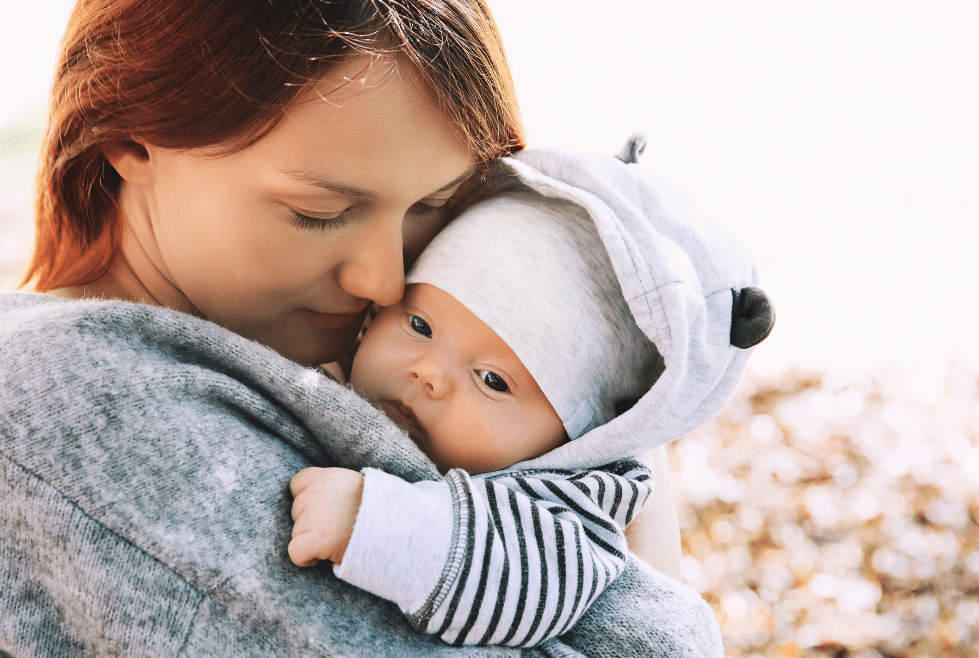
[350, 190]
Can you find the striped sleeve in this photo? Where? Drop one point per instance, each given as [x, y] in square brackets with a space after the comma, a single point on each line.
[533, 549]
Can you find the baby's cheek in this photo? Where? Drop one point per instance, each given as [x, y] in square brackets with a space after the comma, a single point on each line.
[369, 363]
[357, 376]
[460, 442]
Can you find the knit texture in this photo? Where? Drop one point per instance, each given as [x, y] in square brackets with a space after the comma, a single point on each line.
[144, 465]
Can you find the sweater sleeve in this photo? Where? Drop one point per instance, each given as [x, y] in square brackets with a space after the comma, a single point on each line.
[510, 558]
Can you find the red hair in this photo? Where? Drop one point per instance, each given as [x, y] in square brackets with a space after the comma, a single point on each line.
[180, 74]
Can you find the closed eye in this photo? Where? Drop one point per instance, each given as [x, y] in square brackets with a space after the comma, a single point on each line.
[306, 222]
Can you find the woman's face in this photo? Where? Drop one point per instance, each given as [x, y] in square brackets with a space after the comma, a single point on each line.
[290, 240]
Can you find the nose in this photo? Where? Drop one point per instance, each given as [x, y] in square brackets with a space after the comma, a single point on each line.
[435, 380]
[374, 267]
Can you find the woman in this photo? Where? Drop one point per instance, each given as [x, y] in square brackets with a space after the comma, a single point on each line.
[258, 174]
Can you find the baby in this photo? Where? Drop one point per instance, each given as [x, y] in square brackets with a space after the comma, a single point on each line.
[516, 364]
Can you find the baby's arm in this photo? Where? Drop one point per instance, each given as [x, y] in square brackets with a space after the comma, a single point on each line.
[511, 558]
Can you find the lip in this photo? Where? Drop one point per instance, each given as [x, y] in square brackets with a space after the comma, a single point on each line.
[334, 320]
[403, 417]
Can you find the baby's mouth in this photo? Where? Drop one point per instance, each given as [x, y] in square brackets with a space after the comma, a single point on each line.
[403, 417]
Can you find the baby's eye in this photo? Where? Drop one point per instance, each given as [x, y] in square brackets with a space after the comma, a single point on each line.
[493, 380]
[419, 326]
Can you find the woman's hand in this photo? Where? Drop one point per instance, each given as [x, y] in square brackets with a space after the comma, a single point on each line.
[324, 509]
[654, 535]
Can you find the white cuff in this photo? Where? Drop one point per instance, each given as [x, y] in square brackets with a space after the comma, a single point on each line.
[401, 539]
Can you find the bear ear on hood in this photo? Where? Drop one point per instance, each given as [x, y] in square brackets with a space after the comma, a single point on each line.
[752, 317]
[634, 147]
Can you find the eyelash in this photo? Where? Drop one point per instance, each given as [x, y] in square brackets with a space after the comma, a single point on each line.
[420, 327]
[306, 222]
[506, 387]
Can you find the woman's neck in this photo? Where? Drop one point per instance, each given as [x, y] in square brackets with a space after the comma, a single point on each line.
[133, 275]
[120, 282]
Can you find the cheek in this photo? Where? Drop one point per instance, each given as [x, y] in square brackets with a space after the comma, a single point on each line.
[204, 229]
[375, 363]
[488, 438]
[361, 379]
[247, 250]
[533, 432]
[548, 428]
[199, 199]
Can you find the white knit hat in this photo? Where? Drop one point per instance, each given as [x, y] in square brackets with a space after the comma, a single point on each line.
[536, 272]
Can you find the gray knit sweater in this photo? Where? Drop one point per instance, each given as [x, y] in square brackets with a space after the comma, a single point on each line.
[144, 465]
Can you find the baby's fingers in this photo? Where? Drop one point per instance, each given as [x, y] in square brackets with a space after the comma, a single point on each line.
[301, 480]
[303, 549]
[299, 505]
[324, 509]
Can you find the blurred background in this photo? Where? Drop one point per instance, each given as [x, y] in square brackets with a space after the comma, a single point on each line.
[832, 509]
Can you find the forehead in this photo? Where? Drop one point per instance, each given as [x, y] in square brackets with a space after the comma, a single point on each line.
[451, 316]
[356, 75]
[372, 89]
[369, 125]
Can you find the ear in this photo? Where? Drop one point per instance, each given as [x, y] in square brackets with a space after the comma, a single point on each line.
[752, 317]
[131, 161]
[633, 148]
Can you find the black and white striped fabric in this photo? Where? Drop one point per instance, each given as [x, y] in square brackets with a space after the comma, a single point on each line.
[531, 551]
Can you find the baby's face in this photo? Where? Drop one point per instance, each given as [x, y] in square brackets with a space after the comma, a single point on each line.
[451, 382]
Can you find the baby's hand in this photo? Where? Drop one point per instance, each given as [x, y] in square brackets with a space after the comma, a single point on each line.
[324, 511]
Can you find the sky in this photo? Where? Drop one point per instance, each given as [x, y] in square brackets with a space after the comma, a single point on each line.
[837, 139]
